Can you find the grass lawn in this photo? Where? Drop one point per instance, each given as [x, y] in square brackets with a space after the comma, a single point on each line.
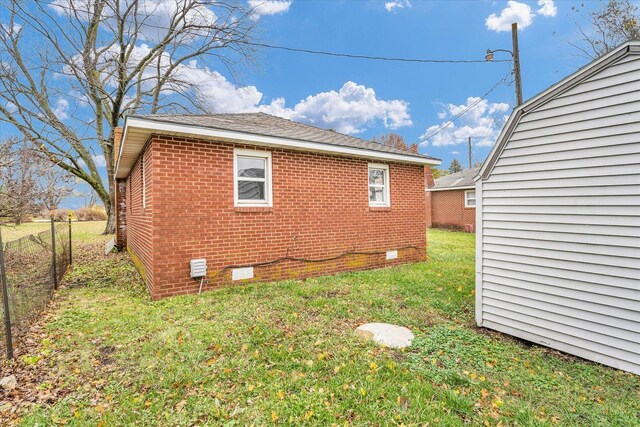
[85, 230]
[285, 354]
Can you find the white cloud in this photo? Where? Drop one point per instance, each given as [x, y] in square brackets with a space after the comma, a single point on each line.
[520, 13]
[99, 160]
[547, 8]
[61, 109]
[268, 7]
[153, 16]
[350, 110]
[396, 4]
[216, 92]
[482, 123]
[514, 12]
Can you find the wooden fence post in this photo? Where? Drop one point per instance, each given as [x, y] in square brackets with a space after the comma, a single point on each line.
[5, 302]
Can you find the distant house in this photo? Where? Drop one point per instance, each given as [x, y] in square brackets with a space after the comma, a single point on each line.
[558, 216]
[452, 201]
[259, 197]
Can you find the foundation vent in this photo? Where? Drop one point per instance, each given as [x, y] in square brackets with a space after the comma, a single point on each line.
[198, 268]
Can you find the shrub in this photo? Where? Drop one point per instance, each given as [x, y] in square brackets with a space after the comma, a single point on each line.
[91, 213]
[59, 214]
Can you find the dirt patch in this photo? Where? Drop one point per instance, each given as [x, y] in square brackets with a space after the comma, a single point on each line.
[105, 354]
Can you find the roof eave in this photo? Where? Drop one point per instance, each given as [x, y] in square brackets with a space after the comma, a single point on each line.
[156, 126]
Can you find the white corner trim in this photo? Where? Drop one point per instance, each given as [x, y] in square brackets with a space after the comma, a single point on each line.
[268, 182]
[479, 231]
[387, 184]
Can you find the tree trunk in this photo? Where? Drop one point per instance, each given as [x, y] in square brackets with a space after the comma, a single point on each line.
[110, 209]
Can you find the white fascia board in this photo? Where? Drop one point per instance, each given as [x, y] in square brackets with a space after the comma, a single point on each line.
[158, 126]
[470, 187]
[120, 147]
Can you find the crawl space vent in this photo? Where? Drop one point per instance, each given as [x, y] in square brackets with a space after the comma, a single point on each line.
[198, 268]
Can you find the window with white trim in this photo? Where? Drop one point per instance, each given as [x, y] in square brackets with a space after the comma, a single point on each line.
[470, 199]
[378, 185]
[252, 178]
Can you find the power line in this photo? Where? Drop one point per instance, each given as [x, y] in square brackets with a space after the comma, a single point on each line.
[468, 108]
[374, 58]
[312, 51]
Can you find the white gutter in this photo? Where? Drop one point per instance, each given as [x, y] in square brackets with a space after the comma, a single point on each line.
[470, 187]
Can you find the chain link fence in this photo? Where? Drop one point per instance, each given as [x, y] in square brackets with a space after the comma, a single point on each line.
[33, 268]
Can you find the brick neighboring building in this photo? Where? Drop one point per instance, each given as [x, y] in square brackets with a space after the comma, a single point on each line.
[262, 198]
[452, 200]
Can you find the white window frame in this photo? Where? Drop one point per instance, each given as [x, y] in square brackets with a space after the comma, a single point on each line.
[387, 180]
[268, 179]
[466, 199]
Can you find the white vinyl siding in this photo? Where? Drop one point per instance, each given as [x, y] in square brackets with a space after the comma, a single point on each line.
[558, 254]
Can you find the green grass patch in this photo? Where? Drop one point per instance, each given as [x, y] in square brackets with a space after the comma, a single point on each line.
[82, 231]
[285, 354]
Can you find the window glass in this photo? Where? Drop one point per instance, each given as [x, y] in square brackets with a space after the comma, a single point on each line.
[251, 167]
[251, 190]
[376, 176]
[376, 194]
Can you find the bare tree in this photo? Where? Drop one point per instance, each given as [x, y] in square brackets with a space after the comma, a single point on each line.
[28, 183]
[613, 23]
[396, 141]
[98, 60]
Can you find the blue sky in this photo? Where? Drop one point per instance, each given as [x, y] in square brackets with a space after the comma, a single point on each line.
[370, 98]
[441, 30]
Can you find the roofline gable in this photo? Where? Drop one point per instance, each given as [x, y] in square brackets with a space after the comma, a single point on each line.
[631, 47]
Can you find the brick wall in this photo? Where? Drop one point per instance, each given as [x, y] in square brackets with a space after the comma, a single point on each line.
[140, 227]
[320, 210]
[121, 213]
[429, 182]
[448, 211]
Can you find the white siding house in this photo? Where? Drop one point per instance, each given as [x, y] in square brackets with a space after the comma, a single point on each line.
[558, 217]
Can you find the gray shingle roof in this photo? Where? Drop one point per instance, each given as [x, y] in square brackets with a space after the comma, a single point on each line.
[268, 125]
[460, 179]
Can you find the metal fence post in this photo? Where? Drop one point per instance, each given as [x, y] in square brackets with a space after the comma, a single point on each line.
[53, 254]
[5, 302]
[70, 252]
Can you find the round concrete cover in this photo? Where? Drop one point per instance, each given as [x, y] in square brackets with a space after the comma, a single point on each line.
[386, 334]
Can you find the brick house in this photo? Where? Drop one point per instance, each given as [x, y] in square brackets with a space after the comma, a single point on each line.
[452, 201]
[262, 198]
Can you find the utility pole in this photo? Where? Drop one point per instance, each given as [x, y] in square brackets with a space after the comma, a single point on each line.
[470, 164]
[515, 55]
[516, 62]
